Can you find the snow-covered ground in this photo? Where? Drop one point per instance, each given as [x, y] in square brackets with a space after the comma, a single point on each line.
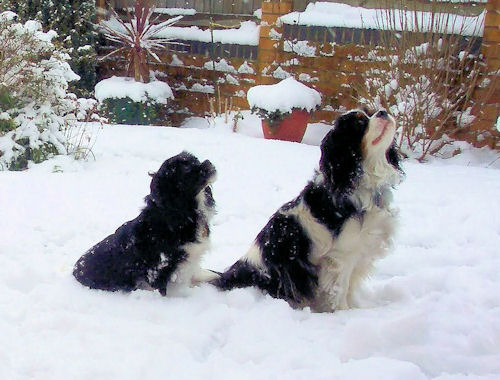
[431, 309]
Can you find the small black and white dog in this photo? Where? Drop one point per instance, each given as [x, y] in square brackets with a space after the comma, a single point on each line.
[315, 249]
[162, 247]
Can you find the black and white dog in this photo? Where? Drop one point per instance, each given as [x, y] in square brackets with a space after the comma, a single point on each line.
[162, 247]
[315, 249]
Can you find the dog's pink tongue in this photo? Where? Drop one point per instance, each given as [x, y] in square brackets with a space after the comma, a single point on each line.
[379, 138]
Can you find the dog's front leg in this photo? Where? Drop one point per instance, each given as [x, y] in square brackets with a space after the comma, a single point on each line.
[159, 279]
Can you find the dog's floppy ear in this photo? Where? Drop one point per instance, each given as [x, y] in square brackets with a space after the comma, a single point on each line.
[394, 157]
[341, 160]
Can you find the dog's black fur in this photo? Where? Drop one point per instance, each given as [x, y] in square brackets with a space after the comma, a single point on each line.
[281, 262]
[169, 232]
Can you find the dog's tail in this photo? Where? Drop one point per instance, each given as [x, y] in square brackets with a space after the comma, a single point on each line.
[204, 275]
[241, 274]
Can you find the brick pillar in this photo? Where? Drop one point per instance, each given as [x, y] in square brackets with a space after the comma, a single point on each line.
[100, 9]
[269, 49]
[490, 105]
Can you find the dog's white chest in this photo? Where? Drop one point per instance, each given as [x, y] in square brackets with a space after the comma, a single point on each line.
[344, 260]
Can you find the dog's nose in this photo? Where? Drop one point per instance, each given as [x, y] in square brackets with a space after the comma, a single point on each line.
[208, 167]
[381, 113]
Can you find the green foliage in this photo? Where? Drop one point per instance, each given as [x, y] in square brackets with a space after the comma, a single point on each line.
[73, 20]
[7, 125]
[273, 118]
[37, 155]
[127, 111]
[7, 100]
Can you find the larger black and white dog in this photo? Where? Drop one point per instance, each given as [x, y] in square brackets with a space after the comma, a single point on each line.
[162, 247]
[315, 249]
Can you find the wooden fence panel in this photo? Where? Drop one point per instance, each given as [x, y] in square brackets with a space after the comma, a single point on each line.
[221, 7]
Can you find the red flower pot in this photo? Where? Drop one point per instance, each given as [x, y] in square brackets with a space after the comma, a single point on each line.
[291, 128]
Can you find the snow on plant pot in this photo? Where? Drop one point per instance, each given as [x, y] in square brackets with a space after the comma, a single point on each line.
[124, 101]
[284, 108]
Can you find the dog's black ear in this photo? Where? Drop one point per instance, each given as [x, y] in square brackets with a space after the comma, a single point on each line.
[341, 160]
[394, 157]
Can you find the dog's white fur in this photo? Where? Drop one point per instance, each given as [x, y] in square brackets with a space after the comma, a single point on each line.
[190, 272]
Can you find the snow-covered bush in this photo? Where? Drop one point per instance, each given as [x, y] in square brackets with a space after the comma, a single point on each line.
[73, 20]
[122, 100]
[426, 79]
[36, 110]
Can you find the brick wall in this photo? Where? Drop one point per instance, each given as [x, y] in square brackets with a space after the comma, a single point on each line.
[489, 98]
[332, 67]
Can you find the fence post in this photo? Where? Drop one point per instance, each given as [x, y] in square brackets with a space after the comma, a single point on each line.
[100, 9]
[490, 107]
[269, 48]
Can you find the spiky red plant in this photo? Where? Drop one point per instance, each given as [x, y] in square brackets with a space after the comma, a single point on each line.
[138, 36]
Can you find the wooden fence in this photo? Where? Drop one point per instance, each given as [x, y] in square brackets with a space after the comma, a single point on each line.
[328, 61]
[228, 7]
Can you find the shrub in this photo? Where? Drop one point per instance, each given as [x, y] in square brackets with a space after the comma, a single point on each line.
[425, 73]
[36, 108]
[138, 37]
[73, 21]
[127, 111]
[125, 101]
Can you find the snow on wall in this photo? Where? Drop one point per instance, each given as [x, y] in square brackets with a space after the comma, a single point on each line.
[343, 15]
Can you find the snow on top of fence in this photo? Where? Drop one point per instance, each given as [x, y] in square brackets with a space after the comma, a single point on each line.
[176, 11]
[460, 1]
[343, 15]
[246, 34]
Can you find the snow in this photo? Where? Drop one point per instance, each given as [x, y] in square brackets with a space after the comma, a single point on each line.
[343, 15]
[176, 61]
[121, 87]
[246, 34]
[461, 1]
[176, 11]
[7, 16]
[221, 65]
[245, 68]
[301, 48]
[284, 96]
[431, 310]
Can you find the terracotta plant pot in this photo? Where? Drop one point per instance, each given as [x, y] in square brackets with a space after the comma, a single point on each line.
[291, 128]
